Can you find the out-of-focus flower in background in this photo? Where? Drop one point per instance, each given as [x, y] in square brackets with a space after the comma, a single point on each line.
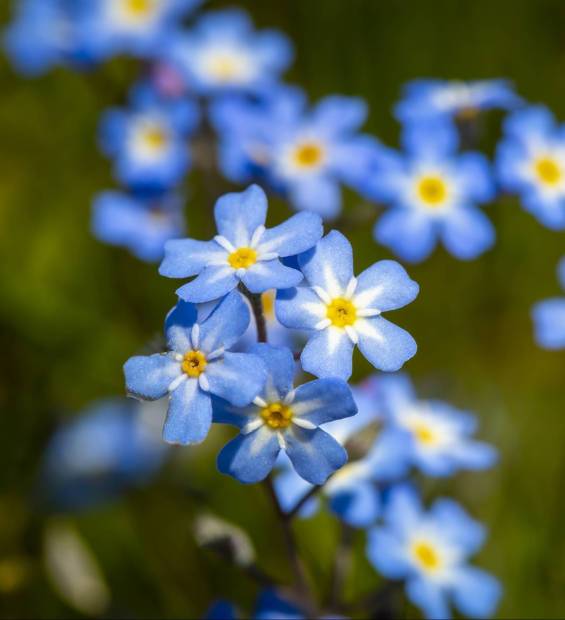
[549, 317]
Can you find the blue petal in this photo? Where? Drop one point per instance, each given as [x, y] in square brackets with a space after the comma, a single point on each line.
[403, 510]
[411, 235]
[395, 394]
[189, 416]
[328, 354]
[237, 377]
[549, 323]
[329, 264]
[467, 233]
[188, 257]
[475, 176]
[212, 283]
[537, 120]
[297, 234]
[385, 286]
[290, 488]
[271, 606]
[318, 194]
[280, 366]
[178, 325]
[323, 400]
[225, 326]
[358, 505]
[390, 457]
[384, 344]
[387, 553]
[549, 210]
[221, 610]
[430, 138]
[274, 49]
[265, 275]
[337, 114]
[561, 272]
[314, 454]
[238, 215]
[250, 458]
[475, 592]
[149, 377]
[429, 597]
[476, 455]
[456, 526]
[299, 308]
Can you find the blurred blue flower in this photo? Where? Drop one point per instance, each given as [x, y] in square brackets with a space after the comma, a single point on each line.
[148, 141]
[197, 366]
[438, 435]
[549, 317]
[342, 311]
[305, 154]
[141, 224]
[111, 446]
[283, 418]
[428, 99]
[430, 551]
[531, 163]
[223, 53]
[353, 491]
[136, 27]
[432, 193]
[242, 251]
[221, 610]
[272, 606]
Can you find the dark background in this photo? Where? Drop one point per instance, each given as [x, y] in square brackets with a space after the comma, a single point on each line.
[72, 310]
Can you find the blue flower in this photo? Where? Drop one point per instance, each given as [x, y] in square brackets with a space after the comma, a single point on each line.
[92, 459]
[549, 317]
[272, 606]
[430, 551]
[197, 366]
[305, 154]
[432, 193]
[141, 224]
[242, 251]
[223, 53]
[148, 141]
[283, 418]
[425, 99]
[136, 27]
[342, 310]
[353, 491]
[531, 163]
[221, 610]
[438, 435]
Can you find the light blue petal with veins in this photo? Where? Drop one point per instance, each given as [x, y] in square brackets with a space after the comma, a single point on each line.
[212, 283]
[384, 344]
[189, 416]
[299, 308]
[188, 257]
[297, 234]
[280, 366]
[385, 286]
[328, 353]
[265, 275]
[236, 377]
[149, 377]
[323, 400]
[225, 325]
[476, 593]
[239, 214]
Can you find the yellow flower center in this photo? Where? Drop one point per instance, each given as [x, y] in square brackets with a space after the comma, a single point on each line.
[424, 433]
[432, 190]
[426, 555]
[308, 155]
[277, 415]
[223, 68]
[242, 258]
[268, 302]
[194, 363]
[341, 312]
[548, 171]
[155, 138]
[138, 7]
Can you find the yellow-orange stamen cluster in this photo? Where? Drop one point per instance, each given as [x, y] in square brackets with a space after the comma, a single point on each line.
[194, 363]
[277, 415]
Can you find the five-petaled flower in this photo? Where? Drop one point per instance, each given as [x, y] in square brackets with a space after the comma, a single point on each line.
[197, 366]
[430, 550]
[343, 310]
[243, 251]
[283, 418]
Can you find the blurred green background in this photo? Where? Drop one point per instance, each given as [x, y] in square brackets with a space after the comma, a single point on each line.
[72, 310]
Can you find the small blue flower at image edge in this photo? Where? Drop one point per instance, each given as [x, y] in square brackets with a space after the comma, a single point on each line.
[342, 311]
[141, 224]
[198, 365]
[549, 317]
[243, 251]
[530, 162]
[284, 418]
[431, 193]
[429, 550]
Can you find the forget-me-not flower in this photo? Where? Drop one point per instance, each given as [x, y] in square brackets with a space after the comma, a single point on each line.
[283, 418]
[342, 310]
[306, 154]
[222, 53]
[549, 317]
[148, 141]
[430, 551]
[432, 193]
[243, 251]
[428, 99]
[112, 446]
[141, 224]
[198, 365]
[439, 441]
[353, 491]
[531, 163]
